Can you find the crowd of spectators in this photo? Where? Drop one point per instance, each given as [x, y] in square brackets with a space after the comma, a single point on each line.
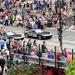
[32, 48]
[32, 15]
[37, 14]
[9, 49]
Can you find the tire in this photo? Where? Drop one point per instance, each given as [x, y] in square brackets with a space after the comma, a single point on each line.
[26, 35]
[39, 37]
[50, 37]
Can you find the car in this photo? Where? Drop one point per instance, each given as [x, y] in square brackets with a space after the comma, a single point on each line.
[37, 33]
[11, 35]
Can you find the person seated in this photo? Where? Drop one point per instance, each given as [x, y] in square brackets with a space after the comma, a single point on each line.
[65, 52]
[58, 55]
[50, 55]
[62, 57]
[69, 57]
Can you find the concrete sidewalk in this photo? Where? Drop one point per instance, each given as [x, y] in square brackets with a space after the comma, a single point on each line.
[72, 28]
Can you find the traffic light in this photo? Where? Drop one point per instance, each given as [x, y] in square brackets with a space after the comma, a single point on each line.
[59, 37]
[59, 33]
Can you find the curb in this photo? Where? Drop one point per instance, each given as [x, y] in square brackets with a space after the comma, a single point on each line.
[64, 41]
[69, 29]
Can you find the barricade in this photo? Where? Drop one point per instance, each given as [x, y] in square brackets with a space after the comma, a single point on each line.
[33, 58]
[35, 55]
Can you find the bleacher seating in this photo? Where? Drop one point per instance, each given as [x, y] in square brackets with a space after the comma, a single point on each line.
[43, 61]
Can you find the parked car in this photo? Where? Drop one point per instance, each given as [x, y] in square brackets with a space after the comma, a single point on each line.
[37, 33]
[10, 34]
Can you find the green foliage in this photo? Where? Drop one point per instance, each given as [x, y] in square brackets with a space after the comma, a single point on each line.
[24, 70]
[9, 64]
[70, 69]
[33, 69]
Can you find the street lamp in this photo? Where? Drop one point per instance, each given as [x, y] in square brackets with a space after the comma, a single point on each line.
[60, 25]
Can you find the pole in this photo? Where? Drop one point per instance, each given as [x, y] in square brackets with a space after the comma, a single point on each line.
[74, 17]
[55, 56]
[72, 54]
[60, 24]
[74, 13]
[10, 50]
[56, 70]
[24, 51]
[39, 55]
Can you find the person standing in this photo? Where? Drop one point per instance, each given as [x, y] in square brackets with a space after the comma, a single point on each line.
[1, 43]
[2, 64]
[6, 20]
[34, 43]
[8, 44]
[29, 43]
[44, 49]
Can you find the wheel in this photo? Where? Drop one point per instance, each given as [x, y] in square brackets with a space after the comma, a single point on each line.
[50, 37]
[26, 35]
[39, 37]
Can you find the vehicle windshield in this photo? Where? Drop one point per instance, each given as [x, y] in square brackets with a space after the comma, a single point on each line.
[10, 33]
[38, 31]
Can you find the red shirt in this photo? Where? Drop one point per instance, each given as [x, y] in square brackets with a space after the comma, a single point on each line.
[3, 15]
[58, 55]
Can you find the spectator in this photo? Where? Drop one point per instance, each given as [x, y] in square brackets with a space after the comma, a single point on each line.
[41, 24]
[29, 43]
[58, 55]
[5, 51]
[34, 27]
[50, 55]
[6, 20]
[2, 63]
[1, 43]
[65, 52]
[69, 57]
[8, 44]
[38, 5]
[19, 48]
[62, 57]
[39, 53]
[13, 44]
[34, 43]
[27, 5]
[44, 49]
[26, 50]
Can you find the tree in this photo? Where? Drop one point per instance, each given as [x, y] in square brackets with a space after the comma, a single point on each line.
[70, 69]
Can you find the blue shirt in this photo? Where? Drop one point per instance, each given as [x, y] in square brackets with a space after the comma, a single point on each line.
[50, 56]
[45, 3]
[1, 42]
[7, 41]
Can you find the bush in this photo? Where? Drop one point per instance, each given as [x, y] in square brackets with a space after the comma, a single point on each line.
[24, 70]
[70, 69]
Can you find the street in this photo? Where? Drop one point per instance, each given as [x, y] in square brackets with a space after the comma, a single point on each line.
[68, 36]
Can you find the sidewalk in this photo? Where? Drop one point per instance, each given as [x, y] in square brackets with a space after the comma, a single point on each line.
[72, 29]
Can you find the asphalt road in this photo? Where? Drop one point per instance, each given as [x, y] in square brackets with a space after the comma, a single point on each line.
[68, 37]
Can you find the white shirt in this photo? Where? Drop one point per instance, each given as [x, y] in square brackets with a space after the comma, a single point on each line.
[32, 23]
[6, 18]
